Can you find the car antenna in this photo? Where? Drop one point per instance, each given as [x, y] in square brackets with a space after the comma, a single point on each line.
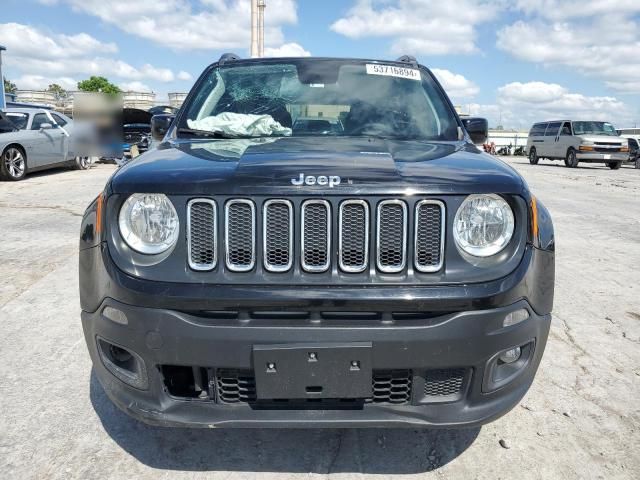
[408, 59]
[228, 57]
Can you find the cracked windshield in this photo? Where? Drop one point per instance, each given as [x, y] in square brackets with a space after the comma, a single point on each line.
[319, 98]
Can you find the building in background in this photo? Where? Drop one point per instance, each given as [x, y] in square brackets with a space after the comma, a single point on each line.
[40, 97]
[141, 100]
[176, 99]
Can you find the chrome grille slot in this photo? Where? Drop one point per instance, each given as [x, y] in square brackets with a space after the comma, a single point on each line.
[202, 234]
[240, 235]
[391, 240]
[429, 235]
[316, 235]
[277, 231]
[353, 236]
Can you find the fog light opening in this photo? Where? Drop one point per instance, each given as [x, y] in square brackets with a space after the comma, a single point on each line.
[511, 355]
[124, 364]
[515, 317]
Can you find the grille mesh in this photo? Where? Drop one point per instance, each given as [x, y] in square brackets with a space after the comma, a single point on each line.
[391, 235]
[315, 233]
[444, 383]
[240, 235]
[202, 235]
[428, 239]
[235, 386]
[391, 386]
[354, 238]
[278, 235]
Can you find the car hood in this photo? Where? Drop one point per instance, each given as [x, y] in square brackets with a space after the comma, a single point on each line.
[603, 139]
[268, 165]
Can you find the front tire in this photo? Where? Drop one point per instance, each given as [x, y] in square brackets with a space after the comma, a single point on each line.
[13, 164]
[614, 165]
[571, 160]
[533, 157]
[82, 163]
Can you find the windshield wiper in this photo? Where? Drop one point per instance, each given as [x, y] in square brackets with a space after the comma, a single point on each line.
[205, 133]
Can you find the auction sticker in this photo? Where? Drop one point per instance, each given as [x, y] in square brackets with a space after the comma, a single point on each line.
[393, 71]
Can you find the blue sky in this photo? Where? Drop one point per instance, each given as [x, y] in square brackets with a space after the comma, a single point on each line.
[513, 61]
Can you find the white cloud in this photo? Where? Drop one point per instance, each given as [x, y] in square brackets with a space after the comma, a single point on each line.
[135, 86]
[216, 24]
[287, 50]
[182, 75]
[522, 104]
[40, 82]
[562, 9]
[605, 46]
[38, 55]
[457, 86]
[419, 26]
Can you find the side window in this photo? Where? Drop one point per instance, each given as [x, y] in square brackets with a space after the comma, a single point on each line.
[552, 129]
[566, 129]
[538, 130]
[59, 120]
[39, 119]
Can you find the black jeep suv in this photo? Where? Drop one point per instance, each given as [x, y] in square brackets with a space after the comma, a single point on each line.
[385, 273]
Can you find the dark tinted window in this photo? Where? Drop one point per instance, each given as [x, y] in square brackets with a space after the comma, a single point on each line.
[38, 120]
[566, 129]
[20, 120]
[538, 129]
[552, 129]
[59, 120]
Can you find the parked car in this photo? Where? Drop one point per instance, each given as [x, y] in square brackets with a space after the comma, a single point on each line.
[136, 130]
[40, 139]
[575, 142]
[634, 150]
[392, 274]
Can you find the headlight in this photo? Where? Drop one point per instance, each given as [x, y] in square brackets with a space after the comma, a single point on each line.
[483, 225]
[149, 223]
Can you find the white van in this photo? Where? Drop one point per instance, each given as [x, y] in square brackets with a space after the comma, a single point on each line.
[577, 141]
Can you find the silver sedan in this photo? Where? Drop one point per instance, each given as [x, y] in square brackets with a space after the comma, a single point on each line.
[33, 139]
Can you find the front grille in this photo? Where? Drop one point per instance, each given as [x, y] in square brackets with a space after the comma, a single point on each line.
[239, 386]
[277, 234]
[240, 235]
[391, 386]
[353, 236]
[201, 242]
[316, 235]
[429, 235]
[283, 222]
[392, 236]
[235, 386]
[444, 382]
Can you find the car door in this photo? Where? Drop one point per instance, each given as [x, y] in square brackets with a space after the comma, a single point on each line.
[66, 128]
[550, 144]
[564, 140]
[49, 141]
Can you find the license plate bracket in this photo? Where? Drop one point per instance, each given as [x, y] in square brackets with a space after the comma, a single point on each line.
[313, 371]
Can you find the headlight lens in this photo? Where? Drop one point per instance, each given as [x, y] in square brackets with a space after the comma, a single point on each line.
[483, 225]
[149, 223]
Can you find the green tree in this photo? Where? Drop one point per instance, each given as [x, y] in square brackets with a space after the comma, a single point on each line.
[58, 92]
[9, 86]
[98, 84]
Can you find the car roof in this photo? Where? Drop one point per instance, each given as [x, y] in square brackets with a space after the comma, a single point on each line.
[23, 109]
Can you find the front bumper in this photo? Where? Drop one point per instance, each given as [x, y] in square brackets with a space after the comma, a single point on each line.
[602, 157]
[469, 340]
[171, 327]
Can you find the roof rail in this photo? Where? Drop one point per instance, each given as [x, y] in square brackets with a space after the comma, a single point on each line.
[408, 59]
[228, 57]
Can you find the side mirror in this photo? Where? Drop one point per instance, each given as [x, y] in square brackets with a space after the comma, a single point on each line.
[477, 128]
[46, 126]
[160, 125]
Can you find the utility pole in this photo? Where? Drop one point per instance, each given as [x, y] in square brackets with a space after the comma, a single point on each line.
[3, 105]
[257, 28]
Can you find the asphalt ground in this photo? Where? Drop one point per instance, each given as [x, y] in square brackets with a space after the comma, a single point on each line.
[581, 418]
